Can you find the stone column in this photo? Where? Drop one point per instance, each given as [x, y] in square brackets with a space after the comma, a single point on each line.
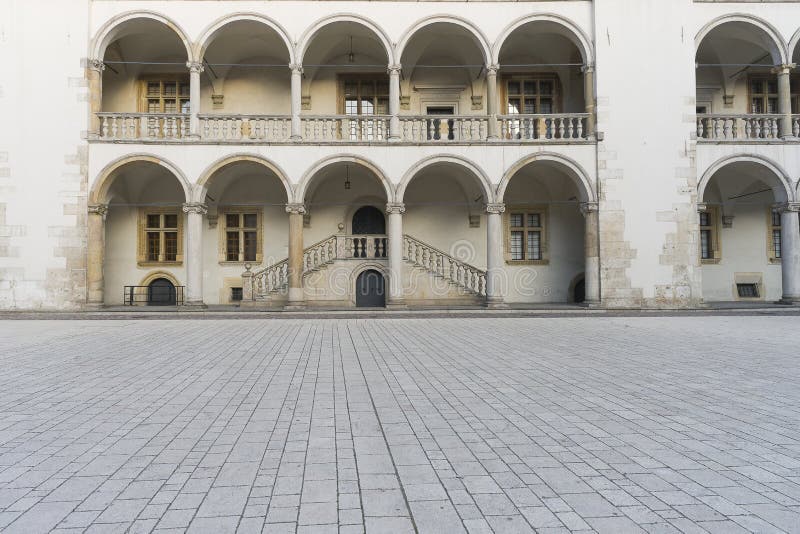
[195, 69]
[491, 99]
[394, 102]
[194, 252]
[589, 99]
[297, 88]
[94, 75]
[395, 234]
[296, 294]
[96, 248]
[591, 277]
[495, 273]
[785, 99]
[790, 253]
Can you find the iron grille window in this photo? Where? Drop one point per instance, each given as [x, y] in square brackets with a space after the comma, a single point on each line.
[747, 291]
[236, 294]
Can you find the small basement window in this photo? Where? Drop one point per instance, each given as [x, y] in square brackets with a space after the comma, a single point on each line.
[236, 294]
[747, 291]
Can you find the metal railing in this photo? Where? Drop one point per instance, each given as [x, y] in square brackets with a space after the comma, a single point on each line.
[154, 295]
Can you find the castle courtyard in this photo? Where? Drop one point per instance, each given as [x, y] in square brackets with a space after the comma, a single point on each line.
[605, 424]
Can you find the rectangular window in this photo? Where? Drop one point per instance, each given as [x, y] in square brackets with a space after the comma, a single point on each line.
[365, 95]
[161, 236]
[236, 294]
[242, 231]
[709, 231]
[169, 94]
[775, 236]
[747, 291]
[763, 95]
[526, 235]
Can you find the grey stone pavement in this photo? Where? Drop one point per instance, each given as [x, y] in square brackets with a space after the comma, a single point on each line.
[610, 425]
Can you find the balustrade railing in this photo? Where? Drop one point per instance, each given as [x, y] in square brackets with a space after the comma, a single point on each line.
[146, 126]
[796, 125]
[362, 128]
[444, 128]
[738, 127]
[269, 128]
[275, 278]
[444, 265]
[572, 126]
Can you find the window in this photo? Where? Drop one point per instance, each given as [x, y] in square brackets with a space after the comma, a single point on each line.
[365, 95]
[236, 294]
[531, 95]
[165, 95]
[747, 291]
[709, 235]
[774, 241]
[241, 239]
[160, 236]
[526, 233]
[763, 95]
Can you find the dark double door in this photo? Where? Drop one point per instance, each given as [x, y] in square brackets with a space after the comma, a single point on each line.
[370, 290]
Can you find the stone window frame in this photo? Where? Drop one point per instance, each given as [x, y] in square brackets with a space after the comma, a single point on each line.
[141, 245]
[543, 211]
[222, 224]
[771, 229]
[715, 218]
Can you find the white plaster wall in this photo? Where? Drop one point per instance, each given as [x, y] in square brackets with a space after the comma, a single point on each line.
[42, 154]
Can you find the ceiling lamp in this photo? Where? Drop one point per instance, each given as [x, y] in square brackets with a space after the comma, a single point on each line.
[351, 57]
[347, 177]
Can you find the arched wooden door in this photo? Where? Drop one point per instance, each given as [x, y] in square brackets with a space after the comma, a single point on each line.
[369, 220]
[370, 290]
[161, 292]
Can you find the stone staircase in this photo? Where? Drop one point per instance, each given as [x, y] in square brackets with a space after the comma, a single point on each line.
[272, 282]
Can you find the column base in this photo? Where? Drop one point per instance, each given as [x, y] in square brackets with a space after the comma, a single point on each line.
[295, 306]
[197, 305]
[789, 301]
[94, 306]
[789, 138]
[591, 304]
[394, 139]
[296, 138]
[496, 303]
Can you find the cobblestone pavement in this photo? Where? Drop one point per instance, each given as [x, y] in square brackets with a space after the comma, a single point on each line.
[434, 426]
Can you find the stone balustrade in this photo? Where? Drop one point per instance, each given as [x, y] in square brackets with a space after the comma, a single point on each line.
[540, 127]
[444, 128]
[754, 127]
[243, 128]
[444, 265]
[143, 126]
[359, 128]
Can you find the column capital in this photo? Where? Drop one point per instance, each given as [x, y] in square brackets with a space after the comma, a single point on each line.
[495, 207]
[786, 207]
[492, 69]
[589, 207]
[702, 207]
[195, 67]
[395, 207]
[786, 68]
[296, 68]
[195, 207]
[98, 209]
[96, 65]
[589, 67]
[296, 208]
[394, 69]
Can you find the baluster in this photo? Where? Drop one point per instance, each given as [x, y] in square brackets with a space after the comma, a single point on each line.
[104, 126]
[560, 128]
[758, 128]
[580, 128]
[774, 123]
[796, 127]
[568, 120]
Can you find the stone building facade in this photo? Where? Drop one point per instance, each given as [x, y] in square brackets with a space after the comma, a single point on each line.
[295, 154]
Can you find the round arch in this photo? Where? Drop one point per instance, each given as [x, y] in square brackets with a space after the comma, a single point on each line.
[472, 168]
[793, 44]
[477, 35]
[577, 172]
[211, 170]
[779, 52]
[573, 32]
[105, 178]
[210, 33]
[774, 168]
[152, 276]
[312, 172]
[108, 32]
[310, 34]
